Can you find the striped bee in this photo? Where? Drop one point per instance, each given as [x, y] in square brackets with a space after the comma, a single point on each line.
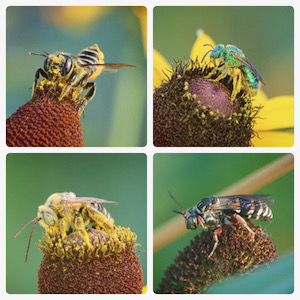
[75, 72]
[230, 210]
[63, 212]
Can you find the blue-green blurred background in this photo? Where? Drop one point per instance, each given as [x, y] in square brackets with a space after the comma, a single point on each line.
[117, 114]
[265, 34]
[32, 178]
[191, 177]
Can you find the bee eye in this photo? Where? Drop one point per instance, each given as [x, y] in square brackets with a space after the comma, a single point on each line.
[191, 222]
[46, 64]
[48, 218]
[67, 66]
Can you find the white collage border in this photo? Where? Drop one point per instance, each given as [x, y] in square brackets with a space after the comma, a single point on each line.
[150, 150]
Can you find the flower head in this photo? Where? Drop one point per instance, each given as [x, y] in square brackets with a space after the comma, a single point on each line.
[193, 273]
[70, 266]
[199, 104]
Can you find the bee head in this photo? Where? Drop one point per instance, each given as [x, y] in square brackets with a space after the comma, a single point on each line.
[58, 64]
[218, 51]
[191, 219]
[47, 216]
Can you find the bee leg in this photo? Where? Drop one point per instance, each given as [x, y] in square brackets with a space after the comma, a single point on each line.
[237, 219]
[236, 84]
[100, 220]
[66, 89]
[79, 225]
[39, 72]
[217, 232]
[87, 97]
[63, 228]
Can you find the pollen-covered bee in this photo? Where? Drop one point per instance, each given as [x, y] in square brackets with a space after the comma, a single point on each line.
[64, 211]
[229, 210]
[74, 73]
[230, 60]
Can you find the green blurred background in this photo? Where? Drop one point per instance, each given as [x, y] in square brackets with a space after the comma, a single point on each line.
[117, 114]
[265, 34]
[32, 178]
[191, 177]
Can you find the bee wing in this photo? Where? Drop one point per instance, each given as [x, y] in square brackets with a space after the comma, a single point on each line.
[109, 68]
[89, 200]
[235, 201]
[249, 65]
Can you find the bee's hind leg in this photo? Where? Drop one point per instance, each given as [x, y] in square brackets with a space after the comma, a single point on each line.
[217, 232]
[237, 219]
[86, 97]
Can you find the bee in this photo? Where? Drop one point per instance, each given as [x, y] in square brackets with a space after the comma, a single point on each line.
[229, 210]
[63, 212]
[75, 73]
[230, 60]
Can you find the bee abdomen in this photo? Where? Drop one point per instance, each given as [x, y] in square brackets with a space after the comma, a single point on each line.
[101, 209]
[262, 212]
[89, 55]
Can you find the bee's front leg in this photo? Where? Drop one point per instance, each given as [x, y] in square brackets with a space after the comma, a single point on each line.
[237, 219]
[39, 72]
[217, 232]
[71, 82]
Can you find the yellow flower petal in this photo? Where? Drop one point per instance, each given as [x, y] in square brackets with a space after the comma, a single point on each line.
[273, 139]
[199, 50]
[160, 65]
[260, 98]
[144, 290]
[277, 113]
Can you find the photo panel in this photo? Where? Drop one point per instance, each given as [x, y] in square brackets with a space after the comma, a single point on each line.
[57, 100]
[223, 223]
[215, 80]
[92, 209]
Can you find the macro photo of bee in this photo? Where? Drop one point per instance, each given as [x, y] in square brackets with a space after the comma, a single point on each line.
[227, 210]
[73, 74]
[230, 60]
[63, 213]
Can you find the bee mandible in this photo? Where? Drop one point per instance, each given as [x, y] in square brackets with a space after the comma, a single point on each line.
[64, 211]
[230, 60]
[227, 210]
[72, 72]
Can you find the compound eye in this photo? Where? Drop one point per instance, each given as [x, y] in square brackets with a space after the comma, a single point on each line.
[46, 64]
[48, 218]
[67, 66]
[191, 223]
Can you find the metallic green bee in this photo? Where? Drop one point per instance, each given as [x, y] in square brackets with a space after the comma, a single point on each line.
[231, 61]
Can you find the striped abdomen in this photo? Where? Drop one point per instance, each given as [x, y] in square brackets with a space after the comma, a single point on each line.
[252, 80]
[252, 209]
[101, 209]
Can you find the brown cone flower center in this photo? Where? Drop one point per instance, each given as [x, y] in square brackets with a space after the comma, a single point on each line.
[214, 94]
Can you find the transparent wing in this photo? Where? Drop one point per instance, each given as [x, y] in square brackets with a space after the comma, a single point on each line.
[88, 200]
[109, 68]
[239, 201]
[248, 64]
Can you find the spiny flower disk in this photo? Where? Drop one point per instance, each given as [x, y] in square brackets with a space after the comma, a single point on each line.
[193, 273]
[193, 110]
[69, 266]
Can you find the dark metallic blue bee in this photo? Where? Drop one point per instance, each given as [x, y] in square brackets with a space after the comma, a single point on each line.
[230, 210]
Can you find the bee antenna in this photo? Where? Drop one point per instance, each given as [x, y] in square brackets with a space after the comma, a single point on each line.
[208, 45]
[182, 212]
[206, 53]
[178, 212]
[34, 220]
[41, 54]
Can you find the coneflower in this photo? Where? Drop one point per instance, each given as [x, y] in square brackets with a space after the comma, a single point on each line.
[193, 272]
